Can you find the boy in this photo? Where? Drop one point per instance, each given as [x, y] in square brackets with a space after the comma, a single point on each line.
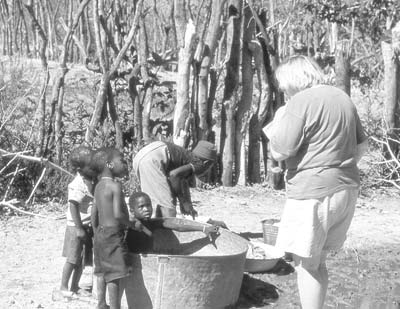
[110, 218]
[165, 171]
[78, 232]
[141, 207]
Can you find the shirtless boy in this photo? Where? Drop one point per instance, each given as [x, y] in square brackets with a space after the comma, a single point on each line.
[110, 218]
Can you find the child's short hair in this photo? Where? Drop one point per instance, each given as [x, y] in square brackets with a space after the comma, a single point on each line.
[297, 73]
[135, 196]
[80, 157]
[102, 156]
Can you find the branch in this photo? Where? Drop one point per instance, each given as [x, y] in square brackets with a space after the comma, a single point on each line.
[10, 205]
[129, 39]
[36, 159]
[258, 21]
[393, 182]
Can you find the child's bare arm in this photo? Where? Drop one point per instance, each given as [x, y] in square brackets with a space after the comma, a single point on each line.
[94, 216]
[188, 226]
[119, 208]
[76, 217]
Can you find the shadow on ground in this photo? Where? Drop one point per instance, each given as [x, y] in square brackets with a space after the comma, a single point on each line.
[255, 292]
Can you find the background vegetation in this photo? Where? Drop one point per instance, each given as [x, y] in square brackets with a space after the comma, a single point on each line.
[125, 72]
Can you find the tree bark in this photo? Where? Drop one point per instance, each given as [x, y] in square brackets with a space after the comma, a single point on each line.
[42, 100]
[108, 73]
[242, 115]
[119, 144]
[233, 33]
[180, 22]
[342, 66]
[181, 113]
[208, 54]
[260, 109]
[57, 97]
[147, 89]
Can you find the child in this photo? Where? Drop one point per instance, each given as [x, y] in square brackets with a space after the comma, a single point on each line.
[140, 205]
[110, 218]
[78, 231]
[165, 171]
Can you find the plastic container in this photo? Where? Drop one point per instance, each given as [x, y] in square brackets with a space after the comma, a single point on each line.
[271, 256]
[270, 231]
[188, 272]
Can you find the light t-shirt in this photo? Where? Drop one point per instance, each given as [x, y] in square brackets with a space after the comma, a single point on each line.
[79, 191]
[319, 130]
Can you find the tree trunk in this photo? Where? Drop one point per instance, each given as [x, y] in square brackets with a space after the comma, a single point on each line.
[119, 143]
[181, 113]
[342, 66]
[42, 100]
[180, 22]
[261, 109]
[108, 73]
[208, 53]
[390, 54]
[57, 98]
[147, 90]
[391, 73]
[242, 115]
[132, 80]
[230, 92]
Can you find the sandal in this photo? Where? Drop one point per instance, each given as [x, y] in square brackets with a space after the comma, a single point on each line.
[62, 295]
[83, 293]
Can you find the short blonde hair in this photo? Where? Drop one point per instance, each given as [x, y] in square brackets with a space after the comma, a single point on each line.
[298, 73]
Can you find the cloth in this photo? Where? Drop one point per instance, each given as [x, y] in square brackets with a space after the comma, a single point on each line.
[150, 166]
[111, 258]
[79, 190]
[205, 150]
[73, 247]
[319, 130]
[139, 242]
[309, 226]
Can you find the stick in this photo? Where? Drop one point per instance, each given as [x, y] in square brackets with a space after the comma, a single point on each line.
[11, 206]
[39, 160]
[37, 184]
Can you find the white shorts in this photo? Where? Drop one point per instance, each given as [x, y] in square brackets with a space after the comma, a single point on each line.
[310, 226]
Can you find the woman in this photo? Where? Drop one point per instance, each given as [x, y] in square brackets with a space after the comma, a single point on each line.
[319, 135]
[165, 170]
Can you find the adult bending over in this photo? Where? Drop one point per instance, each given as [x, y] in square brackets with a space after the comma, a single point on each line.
[319, 135]
[165, 170]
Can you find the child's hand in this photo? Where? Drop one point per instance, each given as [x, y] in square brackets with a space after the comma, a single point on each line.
[138, 226]
[211, 231]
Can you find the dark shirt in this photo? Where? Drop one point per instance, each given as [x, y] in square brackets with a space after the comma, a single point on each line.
[178, 156]
[139, 242]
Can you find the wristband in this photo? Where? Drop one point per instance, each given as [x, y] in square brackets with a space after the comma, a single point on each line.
[204, 228]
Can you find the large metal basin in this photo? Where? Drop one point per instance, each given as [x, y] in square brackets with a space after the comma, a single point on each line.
[187, 271]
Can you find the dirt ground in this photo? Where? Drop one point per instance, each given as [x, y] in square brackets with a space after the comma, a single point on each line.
[365, 274]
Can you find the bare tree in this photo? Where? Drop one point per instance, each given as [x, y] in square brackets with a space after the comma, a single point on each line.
[390, 52]
[242, 114]
[186, 34]
[42, 100]
[108, 71]
[231, 92]
[210, 45]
